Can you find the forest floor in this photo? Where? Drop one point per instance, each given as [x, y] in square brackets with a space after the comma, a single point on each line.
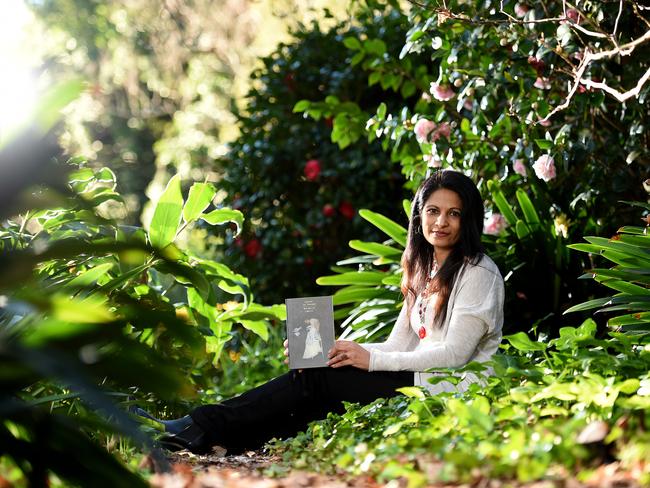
[259, 470]
[249, 470]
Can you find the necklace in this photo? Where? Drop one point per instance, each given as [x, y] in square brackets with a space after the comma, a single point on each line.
[424, 298]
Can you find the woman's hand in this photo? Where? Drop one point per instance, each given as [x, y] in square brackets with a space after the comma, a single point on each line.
[348, 353]
[286, 351]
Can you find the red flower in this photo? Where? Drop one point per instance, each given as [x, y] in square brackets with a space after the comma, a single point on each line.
[329, 210]
[329, 121]
[537, 64]
[422, 332]
[253, 248]
[290, 82]
[347, 210]
[312, 169]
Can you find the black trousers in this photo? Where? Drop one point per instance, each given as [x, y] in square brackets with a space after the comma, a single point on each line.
[285, 405]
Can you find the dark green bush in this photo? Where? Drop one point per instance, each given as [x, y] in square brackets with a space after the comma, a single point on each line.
[301, 190]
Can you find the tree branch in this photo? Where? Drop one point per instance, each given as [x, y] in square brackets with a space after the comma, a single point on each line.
[620, 96]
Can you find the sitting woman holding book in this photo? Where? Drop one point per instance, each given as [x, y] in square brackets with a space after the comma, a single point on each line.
[452, 314]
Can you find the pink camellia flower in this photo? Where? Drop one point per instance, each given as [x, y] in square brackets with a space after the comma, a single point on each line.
[573, 15]
[468, 104]
[495, 224]
[441, 92]
[444, 130]
[545, 167]
[519, 167]
[542, 83]
[423, 128]
[521, 9]
[346, 209]
[312, 169]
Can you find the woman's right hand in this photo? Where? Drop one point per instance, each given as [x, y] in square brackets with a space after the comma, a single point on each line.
[286, 351]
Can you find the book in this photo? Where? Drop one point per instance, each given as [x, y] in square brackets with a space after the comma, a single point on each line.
[310, 331]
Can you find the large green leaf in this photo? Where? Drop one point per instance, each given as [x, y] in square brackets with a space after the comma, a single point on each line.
[353, 278]
[260, 327]
[522, 342]
[502, 204]
[356, 295]
[90, 276]
[620, 247]
[390, 227]
[527, 207]
[167, 215]
[589, 305]
[376, 249]
[632, 275]
[223, 215]
[200, 196]
[630, 319]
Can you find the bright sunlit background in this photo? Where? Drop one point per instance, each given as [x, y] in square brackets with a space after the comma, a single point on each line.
[18, 90]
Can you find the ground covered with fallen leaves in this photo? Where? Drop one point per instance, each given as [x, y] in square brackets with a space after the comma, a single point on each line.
[256, 469]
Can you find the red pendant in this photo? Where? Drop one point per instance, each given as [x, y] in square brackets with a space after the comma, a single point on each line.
[422, 332]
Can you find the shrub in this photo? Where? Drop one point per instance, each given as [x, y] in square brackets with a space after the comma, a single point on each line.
[301, 190]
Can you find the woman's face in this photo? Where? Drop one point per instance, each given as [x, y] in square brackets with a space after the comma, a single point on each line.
[440, 219]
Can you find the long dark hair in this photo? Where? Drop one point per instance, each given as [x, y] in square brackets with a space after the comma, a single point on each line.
[417, 259]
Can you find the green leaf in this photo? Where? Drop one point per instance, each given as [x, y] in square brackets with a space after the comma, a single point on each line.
[521, 229]
[630, 319]
[167, 215]
[412, 392]
[91, 310]
[352, 43]
[522, 342]
[502, 204]
[260, 327]
[301, 106]
[620, 247]
[544, 144]
[89, 276]
[367, 278]
[344, 296]
[200, 196]
[527, 207]
[381, 111]
[588, 305]
[375, 46]
[375, 249]
[388, 226]
[223, 215]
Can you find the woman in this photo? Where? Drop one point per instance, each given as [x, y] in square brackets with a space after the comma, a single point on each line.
[452, 315]
[313, 341]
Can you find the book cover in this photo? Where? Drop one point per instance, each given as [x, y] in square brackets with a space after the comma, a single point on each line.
[310, 331]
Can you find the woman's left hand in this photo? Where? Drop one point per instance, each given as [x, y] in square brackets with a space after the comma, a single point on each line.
[348, 353]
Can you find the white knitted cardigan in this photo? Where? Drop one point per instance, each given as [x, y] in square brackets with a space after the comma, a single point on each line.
[471, 331]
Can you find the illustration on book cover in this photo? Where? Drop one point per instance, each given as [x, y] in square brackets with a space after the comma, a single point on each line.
[310, 330]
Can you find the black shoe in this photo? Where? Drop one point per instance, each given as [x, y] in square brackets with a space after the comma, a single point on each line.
[191, 438]
[173, 426]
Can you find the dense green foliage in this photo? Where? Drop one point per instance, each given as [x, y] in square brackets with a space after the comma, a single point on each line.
[552, 409]
[95, 313]
[488, 78]
[300, 182]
